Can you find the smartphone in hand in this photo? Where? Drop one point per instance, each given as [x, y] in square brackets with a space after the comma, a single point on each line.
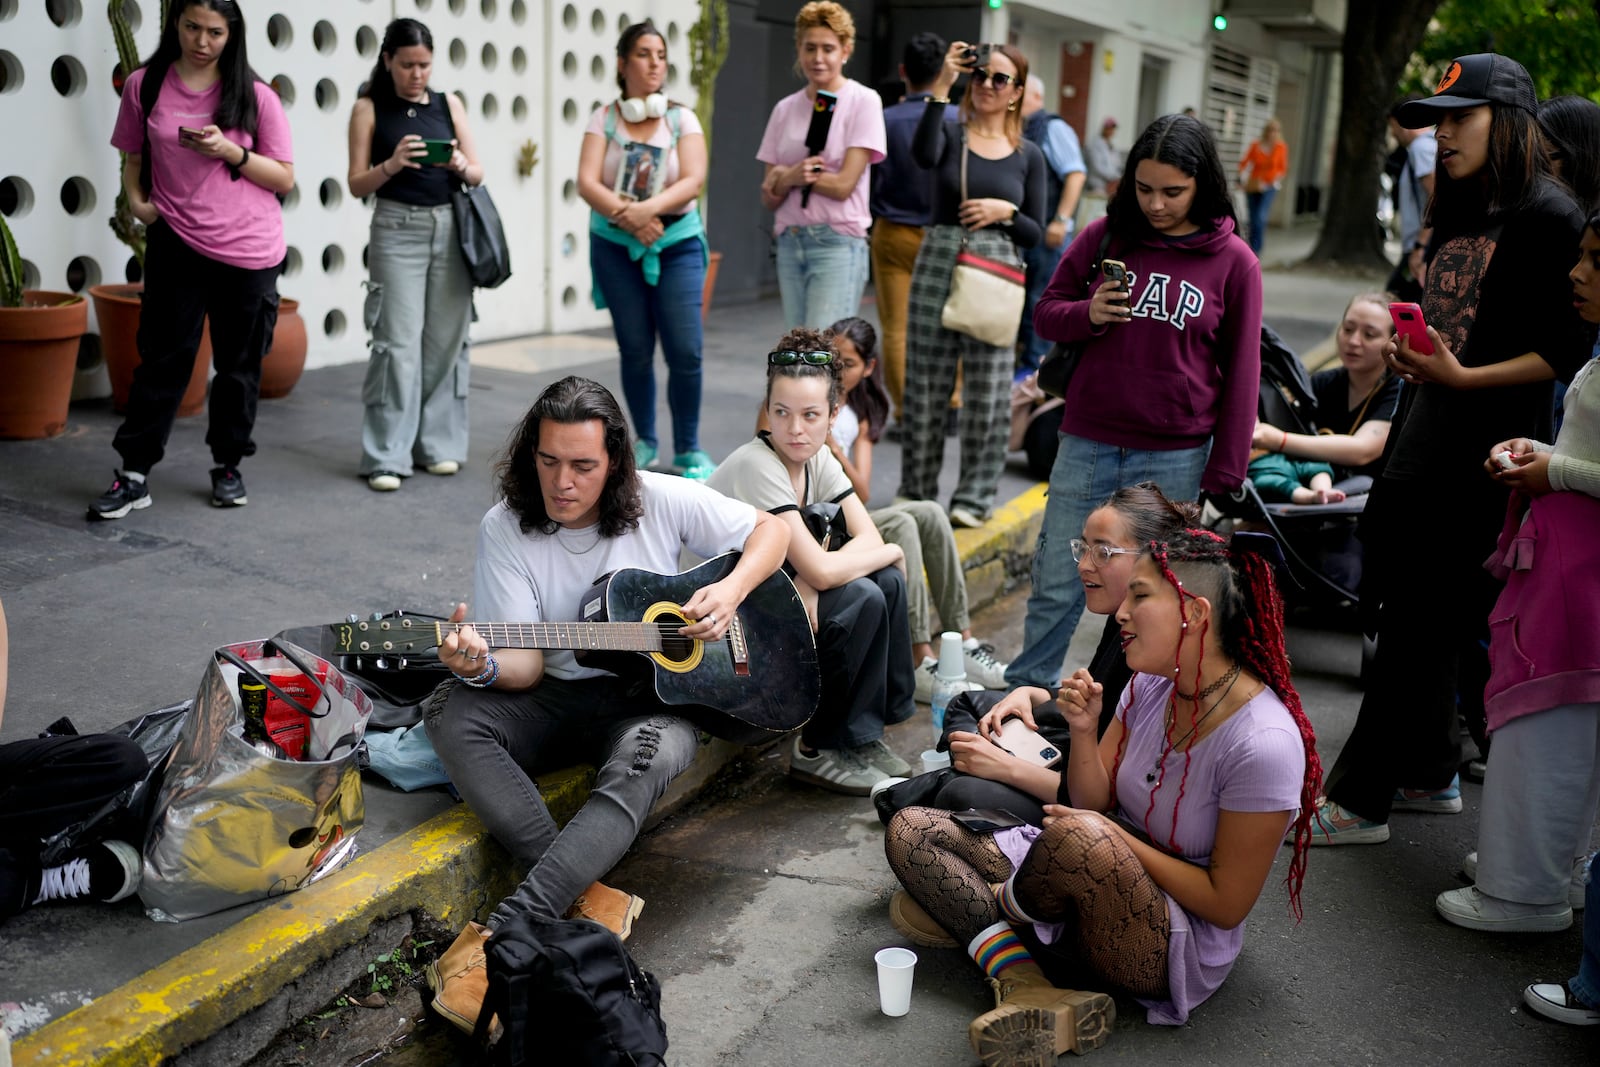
[188, 135]
[1027, 745]
[1115, 272]
[1408, 324]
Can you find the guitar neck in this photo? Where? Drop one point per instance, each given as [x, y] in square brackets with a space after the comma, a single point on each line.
[617, 636]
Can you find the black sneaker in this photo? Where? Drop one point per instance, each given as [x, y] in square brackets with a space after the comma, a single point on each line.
[227, 488]
[107, 871]
[125, 495]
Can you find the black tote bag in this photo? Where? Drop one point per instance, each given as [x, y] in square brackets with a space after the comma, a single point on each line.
[482, 238]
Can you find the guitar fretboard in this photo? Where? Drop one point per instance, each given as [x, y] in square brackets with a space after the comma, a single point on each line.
[617, 636]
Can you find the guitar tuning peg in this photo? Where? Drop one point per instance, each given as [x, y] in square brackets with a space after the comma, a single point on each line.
[352, 617]
[376, 616]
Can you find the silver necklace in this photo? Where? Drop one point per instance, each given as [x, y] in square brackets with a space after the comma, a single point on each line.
[561, 535]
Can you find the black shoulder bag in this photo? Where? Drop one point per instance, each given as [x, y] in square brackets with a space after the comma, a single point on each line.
[1055, 370]
[478, 229]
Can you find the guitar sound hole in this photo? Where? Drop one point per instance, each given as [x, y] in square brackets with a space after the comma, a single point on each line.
[675, 646]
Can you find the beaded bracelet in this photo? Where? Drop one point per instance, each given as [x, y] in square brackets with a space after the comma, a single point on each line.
[485, 678]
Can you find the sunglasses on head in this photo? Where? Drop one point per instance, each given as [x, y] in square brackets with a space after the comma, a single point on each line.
[788, 357]
[995, 78]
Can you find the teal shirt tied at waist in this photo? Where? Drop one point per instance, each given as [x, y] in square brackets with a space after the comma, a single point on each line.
[648, 256]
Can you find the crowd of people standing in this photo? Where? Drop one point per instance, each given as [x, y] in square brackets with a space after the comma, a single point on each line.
[1187, 759]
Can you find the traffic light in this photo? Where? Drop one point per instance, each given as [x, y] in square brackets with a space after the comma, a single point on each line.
[996, 4]
[1219, 22]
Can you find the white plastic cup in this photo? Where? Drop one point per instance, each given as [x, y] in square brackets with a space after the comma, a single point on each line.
[934, 760]
[894, 980]
[952, 659]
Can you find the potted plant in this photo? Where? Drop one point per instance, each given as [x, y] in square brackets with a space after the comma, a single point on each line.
[39, 336]
[116, 307]
[708, 50]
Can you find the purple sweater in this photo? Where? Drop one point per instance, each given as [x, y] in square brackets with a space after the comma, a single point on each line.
[1544, 632]
[1187, 368]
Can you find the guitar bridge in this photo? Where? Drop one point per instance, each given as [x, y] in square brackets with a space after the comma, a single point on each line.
[737, 647]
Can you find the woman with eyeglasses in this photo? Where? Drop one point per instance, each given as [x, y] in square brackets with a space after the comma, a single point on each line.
[982, 775]
[819, 197]
[855, 591]
[1166, 388]
[989, 199]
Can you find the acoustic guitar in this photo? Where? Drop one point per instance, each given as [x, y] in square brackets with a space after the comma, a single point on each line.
[760, 679]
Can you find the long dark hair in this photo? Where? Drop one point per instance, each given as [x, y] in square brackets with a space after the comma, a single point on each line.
[1571, 125]
[1182, 142]
[1517, 162]
[1249, 611]
[237, 108]
[869, 399]
[401, 33]
[805, 339]
[571, 400]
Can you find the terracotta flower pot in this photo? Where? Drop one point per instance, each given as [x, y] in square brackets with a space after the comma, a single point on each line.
[286, 359]
[713, 265]
[38, 359]
[117, 307]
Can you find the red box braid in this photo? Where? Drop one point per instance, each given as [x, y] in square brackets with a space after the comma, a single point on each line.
[1251, 616]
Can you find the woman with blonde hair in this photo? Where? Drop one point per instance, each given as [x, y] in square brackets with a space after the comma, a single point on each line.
[819, 197]
[989, 200]
[1261, 172]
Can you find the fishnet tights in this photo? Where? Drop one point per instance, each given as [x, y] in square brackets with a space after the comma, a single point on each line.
[1081, 873]
[947, 869]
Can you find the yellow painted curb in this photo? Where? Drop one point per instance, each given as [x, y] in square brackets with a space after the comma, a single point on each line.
[447, 867]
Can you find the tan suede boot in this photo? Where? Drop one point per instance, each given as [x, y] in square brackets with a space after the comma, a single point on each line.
[611, 908]
[460, 979]
[1034, 1022]
[918, 927]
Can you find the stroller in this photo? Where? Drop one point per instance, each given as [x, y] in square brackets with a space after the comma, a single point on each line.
[1318, 540]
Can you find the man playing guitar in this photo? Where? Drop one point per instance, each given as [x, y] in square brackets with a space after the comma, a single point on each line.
[574, 508]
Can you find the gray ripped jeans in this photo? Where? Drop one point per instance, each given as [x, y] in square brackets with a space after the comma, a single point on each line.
[494, 744]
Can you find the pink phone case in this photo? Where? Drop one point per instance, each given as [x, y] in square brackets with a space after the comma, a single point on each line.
[1408, 324]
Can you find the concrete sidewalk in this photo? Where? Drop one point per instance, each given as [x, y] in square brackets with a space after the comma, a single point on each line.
[142, 602]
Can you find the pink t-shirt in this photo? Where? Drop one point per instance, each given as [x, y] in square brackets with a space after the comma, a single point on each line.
[233, 222]
[857, 123]
[662, 138]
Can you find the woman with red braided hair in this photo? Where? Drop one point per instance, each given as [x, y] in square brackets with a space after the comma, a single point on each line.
[1176, 816]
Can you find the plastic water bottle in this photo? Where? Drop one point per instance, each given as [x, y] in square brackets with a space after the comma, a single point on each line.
[950, 678]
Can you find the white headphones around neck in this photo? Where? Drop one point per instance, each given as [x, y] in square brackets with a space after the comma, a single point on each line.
[651, 107]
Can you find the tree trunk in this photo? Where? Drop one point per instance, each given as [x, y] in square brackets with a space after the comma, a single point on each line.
[1379, 37]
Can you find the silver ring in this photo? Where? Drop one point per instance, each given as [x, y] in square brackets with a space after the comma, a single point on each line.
[463, 652]
[472, 659]
[711, 617]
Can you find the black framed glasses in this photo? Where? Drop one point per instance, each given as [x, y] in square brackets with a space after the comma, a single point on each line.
[998, 79]
[788, 357]
[1102, 555]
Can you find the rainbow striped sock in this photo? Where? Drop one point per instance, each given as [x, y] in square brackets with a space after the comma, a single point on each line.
[1006, 897]
[998, 948]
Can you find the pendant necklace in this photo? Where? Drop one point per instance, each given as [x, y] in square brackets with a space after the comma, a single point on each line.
[1158, 773]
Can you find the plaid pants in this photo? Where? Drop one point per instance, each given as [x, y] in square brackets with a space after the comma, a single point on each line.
[932, 355]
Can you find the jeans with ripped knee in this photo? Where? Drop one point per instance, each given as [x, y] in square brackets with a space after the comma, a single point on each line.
[495, 743]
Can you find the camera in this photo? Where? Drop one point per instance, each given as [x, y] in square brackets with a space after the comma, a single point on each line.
[975, 55]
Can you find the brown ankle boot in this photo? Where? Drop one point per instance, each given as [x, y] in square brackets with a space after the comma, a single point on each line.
[1034, 1022]
[611, 908]
[918, 927]
[460, 979]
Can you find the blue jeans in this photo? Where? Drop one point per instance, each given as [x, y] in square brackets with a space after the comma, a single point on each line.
[1585, 985]
[1259, 204]
[821, 274]
[1042, 262]
[1085, 475]
[640, 312]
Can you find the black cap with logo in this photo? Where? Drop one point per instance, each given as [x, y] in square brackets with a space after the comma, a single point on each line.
[1483, 78]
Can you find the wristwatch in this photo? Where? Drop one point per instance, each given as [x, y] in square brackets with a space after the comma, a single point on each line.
[1060, 218]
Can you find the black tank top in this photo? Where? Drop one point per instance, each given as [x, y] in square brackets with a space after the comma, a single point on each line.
[393, 119]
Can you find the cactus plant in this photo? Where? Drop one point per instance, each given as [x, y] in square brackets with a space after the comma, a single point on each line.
[10, 268]
[129, 230]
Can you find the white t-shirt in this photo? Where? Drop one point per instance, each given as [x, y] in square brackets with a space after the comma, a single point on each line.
[538, 577]
[846, 428]
[755, 474]
[662, 138]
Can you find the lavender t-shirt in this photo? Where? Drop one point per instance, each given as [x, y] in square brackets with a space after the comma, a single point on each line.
[233, 222]
[1255, 761]
[857, 123]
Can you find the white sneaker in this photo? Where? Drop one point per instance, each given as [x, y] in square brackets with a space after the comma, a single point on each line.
[1477, 910]
[383, 482]
[928, 679]
[963, 517]
[1575, 889]
[1555, 1001]
[444, 466]
[982, 667]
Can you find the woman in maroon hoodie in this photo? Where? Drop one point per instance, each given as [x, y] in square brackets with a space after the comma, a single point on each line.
[1166, 390]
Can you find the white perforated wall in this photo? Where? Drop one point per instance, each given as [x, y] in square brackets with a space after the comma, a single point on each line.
[526, 69]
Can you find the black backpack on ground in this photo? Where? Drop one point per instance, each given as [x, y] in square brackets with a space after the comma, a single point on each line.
[567, 992]
[1287, 401]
